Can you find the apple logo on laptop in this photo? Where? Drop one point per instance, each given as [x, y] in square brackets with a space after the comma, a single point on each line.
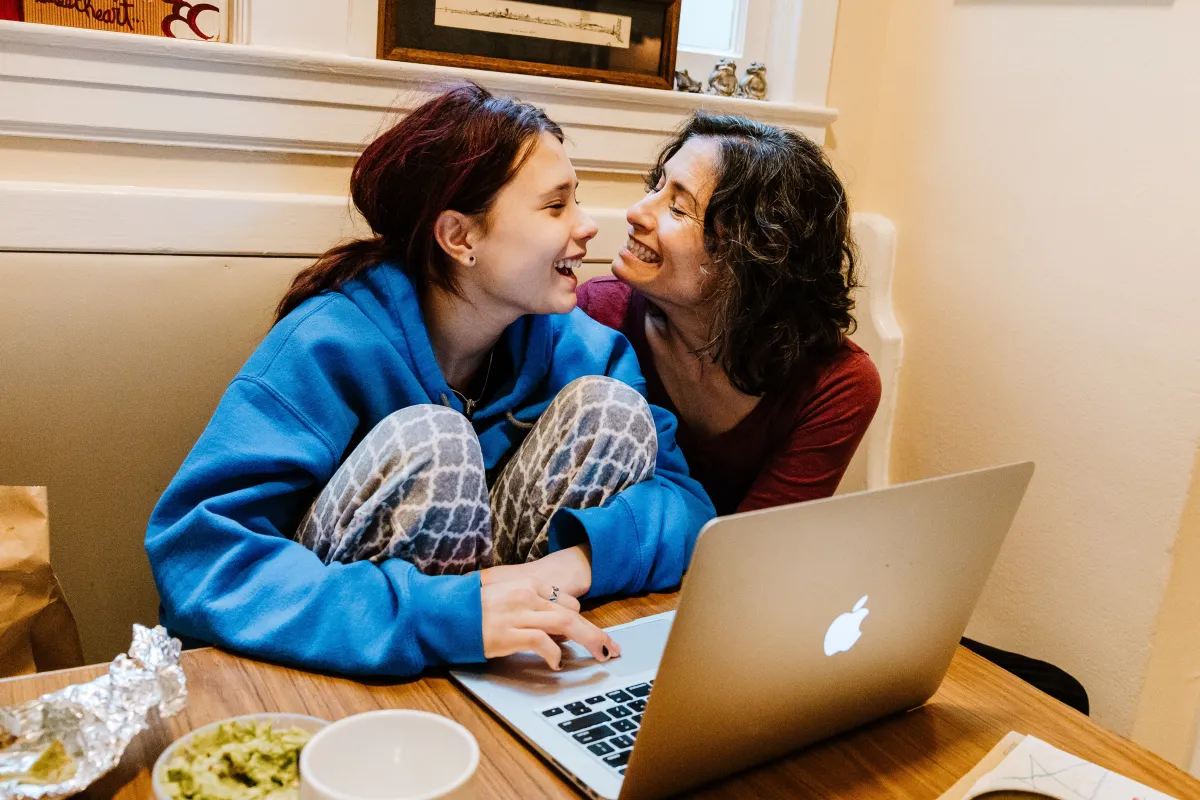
[844, 632]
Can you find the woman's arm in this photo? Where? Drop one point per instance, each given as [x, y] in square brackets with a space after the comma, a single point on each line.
[645, 534]
[812, 461]
[228, 574]
[642, 538]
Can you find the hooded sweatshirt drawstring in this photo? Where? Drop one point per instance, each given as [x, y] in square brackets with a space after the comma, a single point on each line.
[525, 426]
[517, 423]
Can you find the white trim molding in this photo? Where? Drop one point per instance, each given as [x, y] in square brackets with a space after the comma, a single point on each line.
[879, 334]
[102, 218]
[66, 83]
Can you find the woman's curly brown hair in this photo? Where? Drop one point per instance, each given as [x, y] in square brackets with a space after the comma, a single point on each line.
[783, 263]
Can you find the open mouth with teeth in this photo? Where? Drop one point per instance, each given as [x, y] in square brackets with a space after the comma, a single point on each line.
[567, 266]
[641, 252]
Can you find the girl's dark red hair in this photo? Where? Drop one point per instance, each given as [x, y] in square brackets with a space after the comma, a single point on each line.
[454, 152]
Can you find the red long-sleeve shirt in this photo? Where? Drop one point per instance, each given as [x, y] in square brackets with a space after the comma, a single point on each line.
[794, 445]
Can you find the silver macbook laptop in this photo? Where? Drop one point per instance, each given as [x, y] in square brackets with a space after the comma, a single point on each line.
[794, 624]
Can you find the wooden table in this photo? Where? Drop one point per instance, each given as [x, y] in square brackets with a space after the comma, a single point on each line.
[919, 754]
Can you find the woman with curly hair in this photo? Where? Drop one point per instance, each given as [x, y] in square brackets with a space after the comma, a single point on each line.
[735, 290]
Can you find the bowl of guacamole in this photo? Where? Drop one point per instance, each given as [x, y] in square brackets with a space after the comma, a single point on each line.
[253, 757]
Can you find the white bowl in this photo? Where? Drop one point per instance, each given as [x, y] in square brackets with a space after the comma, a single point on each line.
[390, 755]
[278, 721]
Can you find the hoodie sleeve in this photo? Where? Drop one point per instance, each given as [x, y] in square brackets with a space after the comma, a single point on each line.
[228, 575]
[642, 538]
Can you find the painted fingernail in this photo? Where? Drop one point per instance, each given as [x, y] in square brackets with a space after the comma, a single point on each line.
[604, 649]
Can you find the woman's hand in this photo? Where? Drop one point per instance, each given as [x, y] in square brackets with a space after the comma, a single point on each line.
[518, 615]
[570, 570]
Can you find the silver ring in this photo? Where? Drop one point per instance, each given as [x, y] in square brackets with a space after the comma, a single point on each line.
[553, 594]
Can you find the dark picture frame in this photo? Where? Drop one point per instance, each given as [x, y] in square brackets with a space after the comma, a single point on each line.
[407, 32]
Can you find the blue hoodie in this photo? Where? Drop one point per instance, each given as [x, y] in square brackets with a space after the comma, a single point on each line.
[218, 541]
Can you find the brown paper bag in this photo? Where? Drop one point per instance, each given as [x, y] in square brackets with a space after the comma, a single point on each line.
[37, 629]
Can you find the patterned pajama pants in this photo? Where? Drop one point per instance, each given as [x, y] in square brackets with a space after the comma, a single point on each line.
[415, 487]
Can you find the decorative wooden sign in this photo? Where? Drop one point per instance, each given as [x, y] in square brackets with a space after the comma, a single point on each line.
[177, 19]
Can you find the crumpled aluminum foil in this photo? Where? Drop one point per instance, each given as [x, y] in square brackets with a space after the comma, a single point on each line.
[94, 721]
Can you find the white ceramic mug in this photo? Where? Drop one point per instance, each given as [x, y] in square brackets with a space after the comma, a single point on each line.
[390, 755]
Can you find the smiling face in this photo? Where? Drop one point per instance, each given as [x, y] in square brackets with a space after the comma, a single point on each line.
[533, 239]
[665, 257]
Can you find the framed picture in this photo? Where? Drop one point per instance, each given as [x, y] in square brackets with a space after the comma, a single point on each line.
[631, 42]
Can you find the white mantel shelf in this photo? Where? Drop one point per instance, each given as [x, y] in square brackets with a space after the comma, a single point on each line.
[66, 83]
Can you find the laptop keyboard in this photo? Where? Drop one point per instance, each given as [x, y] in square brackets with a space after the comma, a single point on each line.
[605, 725]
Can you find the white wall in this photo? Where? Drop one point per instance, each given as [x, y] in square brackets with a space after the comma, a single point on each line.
[1041, 161]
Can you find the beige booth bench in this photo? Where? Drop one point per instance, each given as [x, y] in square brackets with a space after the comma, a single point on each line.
[115, 348]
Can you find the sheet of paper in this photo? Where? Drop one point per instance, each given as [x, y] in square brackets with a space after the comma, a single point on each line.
[963, 785]
[534, 19]
[1034, 766]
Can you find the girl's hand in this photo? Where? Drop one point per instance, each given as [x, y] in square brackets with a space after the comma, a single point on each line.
[518, 615]
[570, 570]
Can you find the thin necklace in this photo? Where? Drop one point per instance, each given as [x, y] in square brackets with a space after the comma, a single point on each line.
[468, 403]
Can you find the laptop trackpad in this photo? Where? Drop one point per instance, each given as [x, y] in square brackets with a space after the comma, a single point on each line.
[642, 643]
